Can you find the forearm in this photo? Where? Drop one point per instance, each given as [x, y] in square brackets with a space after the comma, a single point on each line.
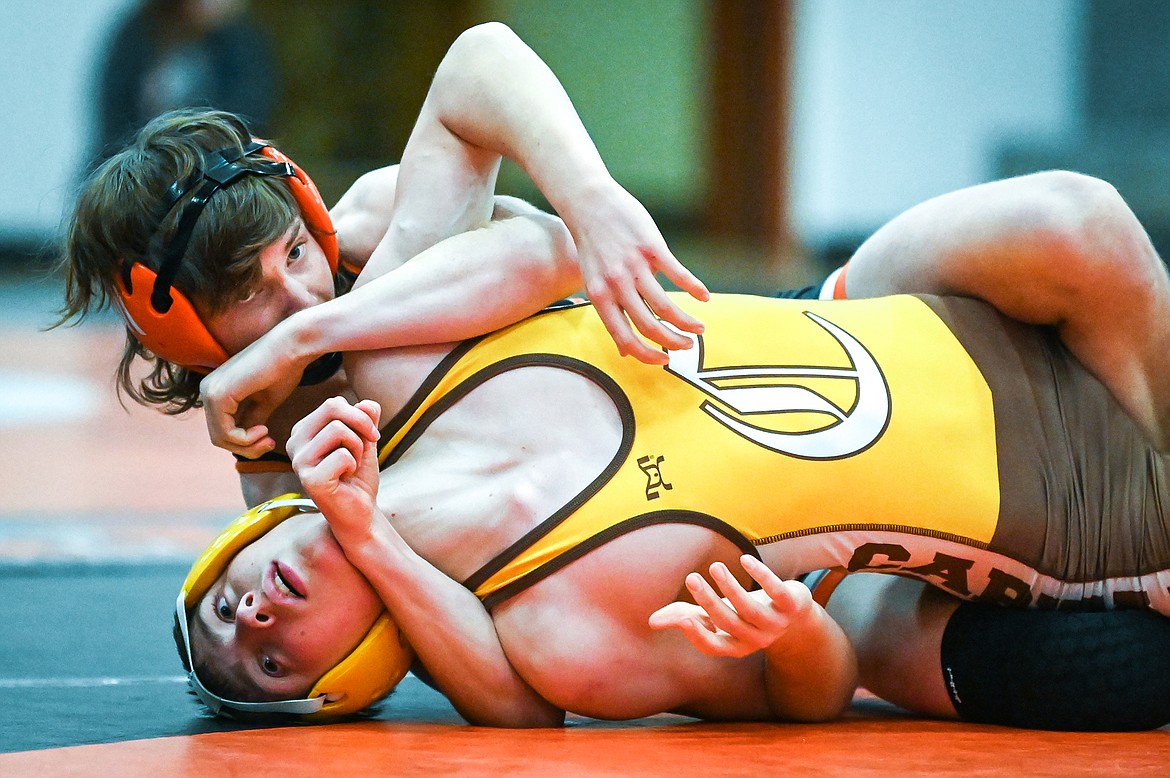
[811, 673]
[451, 632]
[466, 286]
[260, 486]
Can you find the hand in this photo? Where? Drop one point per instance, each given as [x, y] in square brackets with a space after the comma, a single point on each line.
[334, 452]
[741, 622]
[619, 251]
[240, 395]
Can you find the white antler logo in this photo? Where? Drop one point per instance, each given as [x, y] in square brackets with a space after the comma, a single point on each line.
[853, 431]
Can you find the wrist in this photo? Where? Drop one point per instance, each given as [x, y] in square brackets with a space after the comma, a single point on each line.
[302, 336]
[808, 633]
[582, 195]
[375, 545]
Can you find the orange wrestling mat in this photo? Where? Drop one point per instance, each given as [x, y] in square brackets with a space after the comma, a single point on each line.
[868, 743]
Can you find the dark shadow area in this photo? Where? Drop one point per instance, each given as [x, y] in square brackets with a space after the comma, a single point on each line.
[86, 656]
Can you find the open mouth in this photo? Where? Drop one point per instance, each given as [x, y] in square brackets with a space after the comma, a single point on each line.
[287, 582]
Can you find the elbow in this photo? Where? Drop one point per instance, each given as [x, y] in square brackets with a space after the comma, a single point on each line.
[485, 34]
[475, 49]
[523, 717]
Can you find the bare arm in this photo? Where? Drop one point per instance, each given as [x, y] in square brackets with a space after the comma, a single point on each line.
[334, 452]
[492, 96]
[1057, 249]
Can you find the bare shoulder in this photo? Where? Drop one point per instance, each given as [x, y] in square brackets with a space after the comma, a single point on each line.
[363, 213]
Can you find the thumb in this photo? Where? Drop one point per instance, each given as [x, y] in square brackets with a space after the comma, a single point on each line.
[670, 616]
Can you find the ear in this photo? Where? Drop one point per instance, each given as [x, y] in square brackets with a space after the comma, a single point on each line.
[177, 334]
[312, 207]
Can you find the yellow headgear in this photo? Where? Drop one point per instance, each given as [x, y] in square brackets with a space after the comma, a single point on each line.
[368, 674]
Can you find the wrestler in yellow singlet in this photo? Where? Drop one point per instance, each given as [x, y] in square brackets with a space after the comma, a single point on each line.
[931, 437]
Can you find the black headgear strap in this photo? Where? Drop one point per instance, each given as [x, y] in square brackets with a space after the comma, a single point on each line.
[221, 169]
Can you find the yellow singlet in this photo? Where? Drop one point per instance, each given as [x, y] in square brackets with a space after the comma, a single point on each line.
[788, 418]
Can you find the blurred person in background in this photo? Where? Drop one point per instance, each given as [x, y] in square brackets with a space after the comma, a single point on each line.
[167, 54]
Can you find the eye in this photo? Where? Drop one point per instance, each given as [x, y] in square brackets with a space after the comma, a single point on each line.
[223, 609]
[297, 252]
[268, 666]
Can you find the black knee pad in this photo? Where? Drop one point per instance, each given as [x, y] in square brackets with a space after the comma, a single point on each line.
[1063, 670]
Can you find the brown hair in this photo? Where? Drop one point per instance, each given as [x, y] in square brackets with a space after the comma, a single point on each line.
[121, 216]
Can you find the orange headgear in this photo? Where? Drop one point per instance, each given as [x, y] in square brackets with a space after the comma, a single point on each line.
[160, 316]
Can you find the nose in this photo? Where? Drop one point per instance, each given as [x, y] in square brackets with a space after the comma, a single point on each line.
[298, 295]
[254, 611]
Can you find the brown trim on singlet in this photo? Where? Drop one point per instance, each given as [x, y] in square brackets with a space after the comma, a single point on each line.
[626, 414]
[598, 540]
[390, 429]
[1012, 358]
[625, 410]
[440, 371]
[901, 529]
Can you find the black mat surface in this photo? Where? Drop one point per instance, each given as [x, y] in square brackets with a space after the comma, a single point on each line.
[86, 656]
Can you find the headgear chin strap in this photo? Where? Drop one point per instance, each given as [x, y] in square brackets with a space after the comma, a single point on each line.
[367, 675]
[159, 315]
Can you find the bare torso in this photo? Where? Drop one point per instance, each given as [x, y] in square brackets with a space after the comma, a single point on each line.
[496, 464]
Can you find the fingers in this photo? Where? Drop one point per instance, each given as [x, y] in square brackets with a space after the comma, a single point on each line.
[371, 409]
[748, 624]
[630, 298]
[361, 418]
[677, 614]
[251, 443]
[627, 341]
[328, 472]
[647, 308]
[330, 442]
[683, 278]
[789, 597]
[733, 621]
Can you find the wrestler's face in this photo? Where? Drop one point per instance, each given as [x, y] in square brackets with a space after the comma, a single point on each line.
[294, 275]
[288, 608]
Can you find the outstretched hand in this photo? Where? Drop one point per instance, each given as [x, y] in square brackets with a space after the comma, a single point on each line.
[740, 622]
[334, 453]
[620, 251]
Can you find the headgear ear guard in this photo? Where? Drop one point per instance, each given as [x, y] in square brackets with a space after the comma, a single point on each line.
[367, 675]
[161, 317]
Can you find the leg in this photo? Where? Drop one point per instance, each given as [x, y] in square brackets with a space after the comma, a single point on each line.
[925, 651]
[896, 625]
[1050, 248]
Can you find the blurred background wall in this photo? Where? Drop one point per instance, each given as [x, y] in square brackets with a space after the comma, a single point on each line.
[794, 127]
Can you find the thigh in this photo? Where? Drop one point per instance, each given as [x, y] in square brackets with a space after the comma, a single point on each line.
[896, 626]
